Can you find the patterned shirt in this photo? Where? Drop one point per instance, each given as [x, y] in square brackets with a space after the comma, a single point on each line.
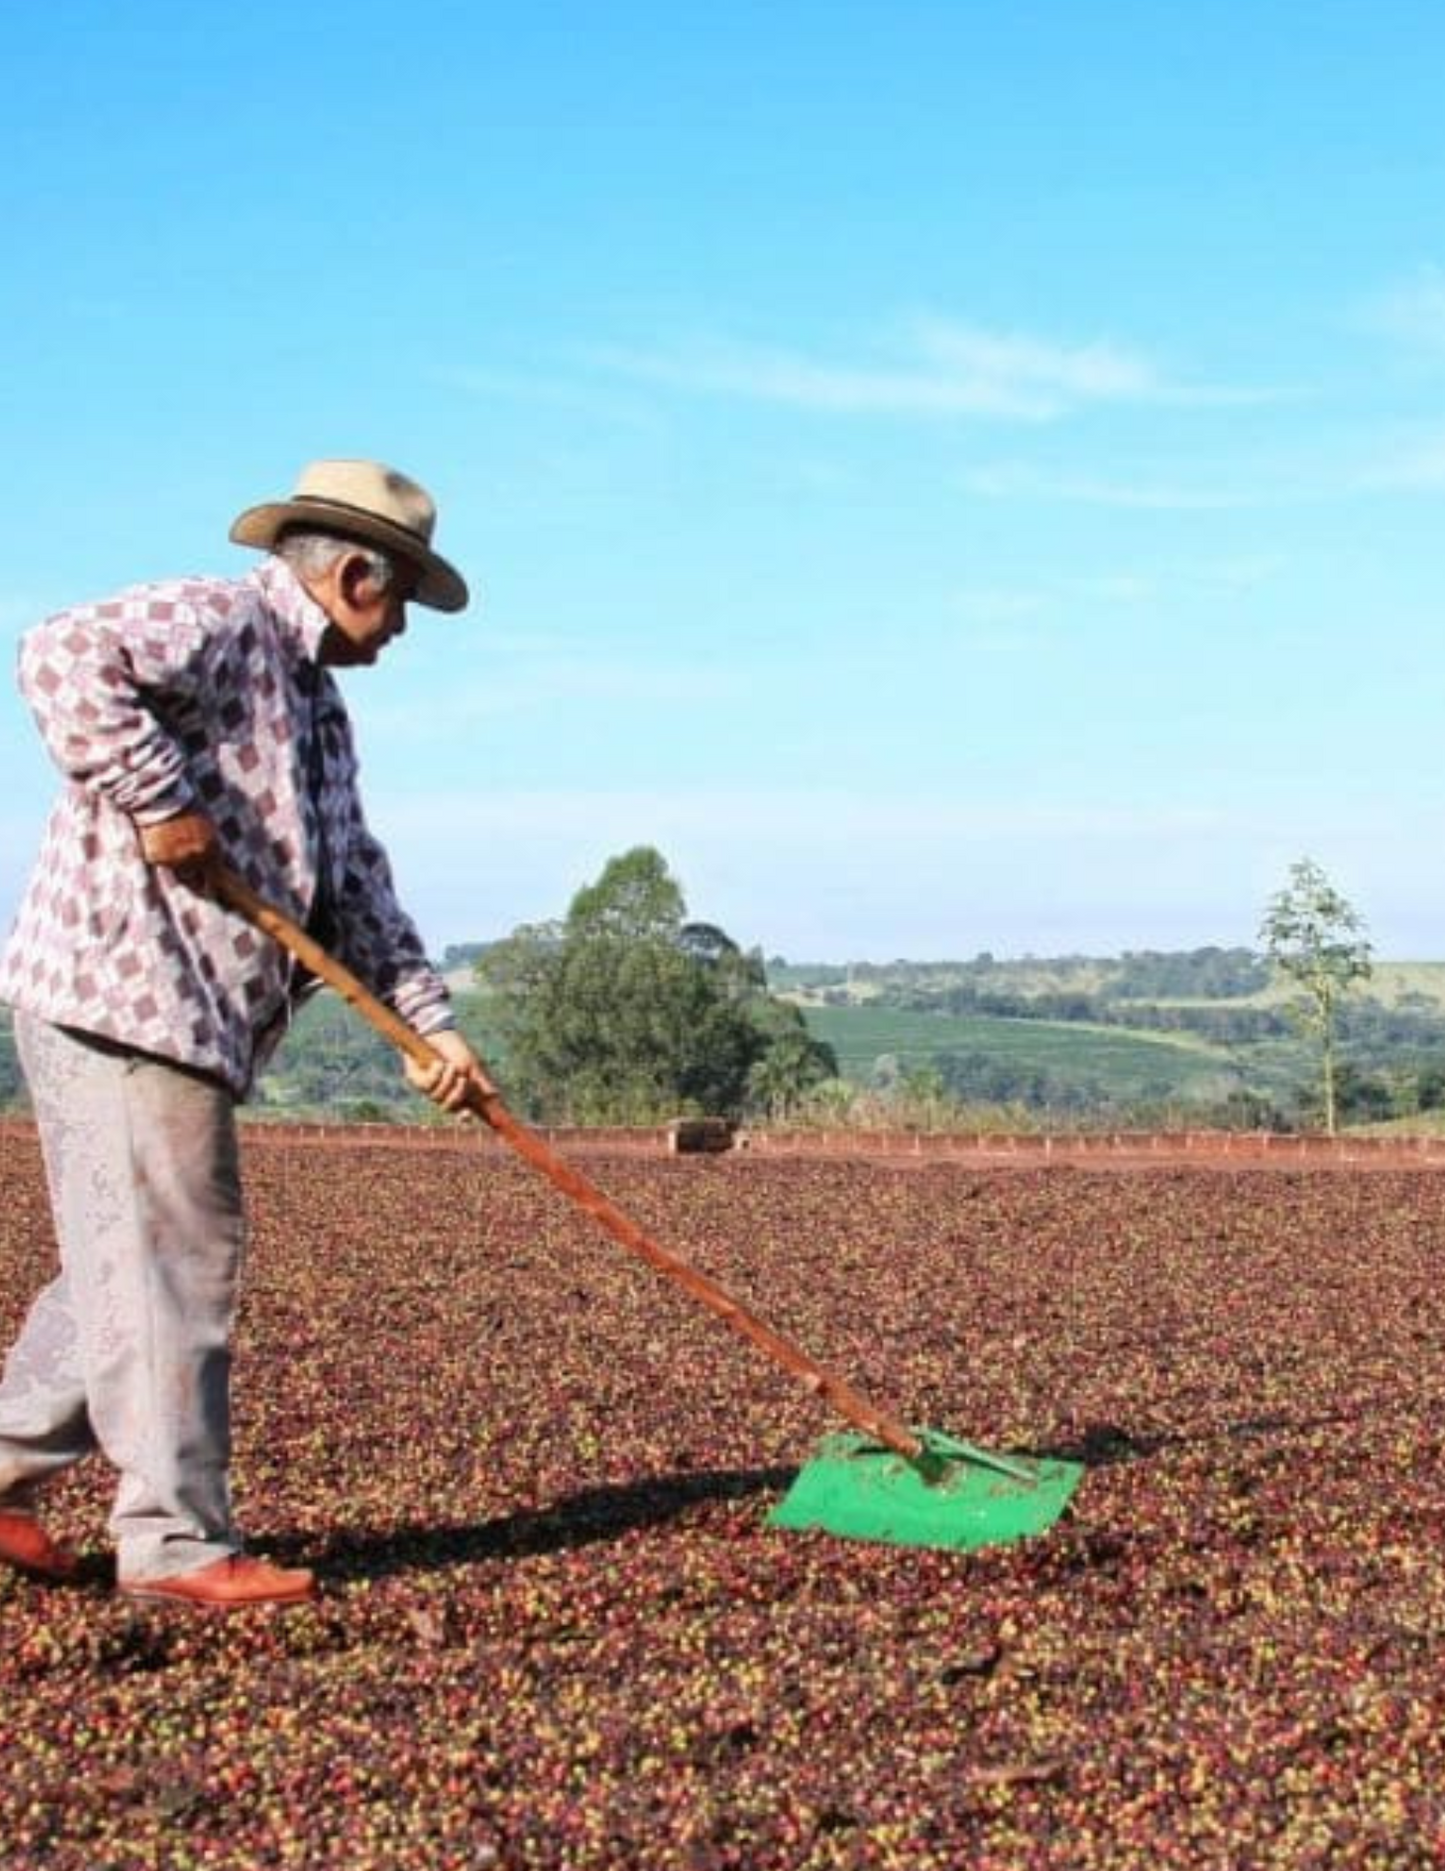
[200, 695]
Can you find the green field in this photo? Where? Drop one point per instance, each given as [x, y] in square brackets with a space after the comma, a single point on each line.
[1125, 1064]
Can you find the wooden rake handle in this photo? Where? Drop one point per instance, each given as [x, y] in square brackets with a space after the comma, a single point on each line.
[856, 1409]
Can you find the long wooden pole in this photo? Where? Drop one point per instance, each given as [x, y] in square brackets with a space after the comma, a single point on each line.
[878, 1424]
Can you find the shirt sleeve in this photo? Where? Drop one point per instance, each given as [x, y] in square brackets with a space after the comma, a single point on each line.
[380, 942]
[87, 677]
[373, 934]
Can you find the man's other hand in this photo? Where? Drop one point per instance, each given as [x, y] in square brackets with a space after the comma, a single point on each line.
[456, 1078]
[187, 845]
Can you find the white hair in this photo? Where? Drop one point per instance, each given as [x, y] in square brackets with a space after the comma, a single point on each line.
[309, 554]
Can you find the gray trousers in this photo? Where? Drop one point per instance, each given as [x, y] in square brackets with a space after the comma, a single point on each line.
[128, 1350]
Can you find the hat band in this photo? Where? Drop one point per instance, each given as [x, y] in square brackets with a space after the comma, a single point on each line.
[323, 504]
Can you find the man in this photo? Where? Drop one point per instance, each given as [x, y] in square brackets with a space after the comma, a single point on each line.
[196, 723]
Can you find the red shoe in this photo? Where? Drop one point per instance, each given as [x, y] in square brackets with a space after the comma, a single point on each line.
[227, 1584]
[26, 1545]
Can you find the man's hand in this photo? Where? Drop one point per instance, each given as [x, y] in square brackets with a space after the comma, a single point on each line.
[187, 845]
[457, 1076]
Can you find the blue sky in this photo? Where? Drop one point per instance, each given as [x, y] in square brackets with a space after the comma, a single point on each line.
[951, 476]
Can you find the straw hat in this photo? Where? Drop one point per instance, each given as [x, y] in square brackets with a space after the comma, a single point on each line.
[365, 501]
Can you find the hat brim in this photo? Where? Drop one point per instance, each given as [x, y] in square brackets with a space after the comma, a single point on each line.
[440, 586]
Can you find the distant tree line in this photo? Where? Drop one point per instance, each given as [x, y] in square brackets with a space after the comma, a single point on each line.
[1363, 1094]
[463, 955]
[1207, 973]
[1012, 990]
[1224, 1025]
[1202, 973]
[1368, 1026]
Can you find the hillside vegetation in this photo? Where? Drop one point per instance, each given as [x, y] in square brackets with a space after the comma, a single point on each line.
[1198, 1037]
[1202, 1035]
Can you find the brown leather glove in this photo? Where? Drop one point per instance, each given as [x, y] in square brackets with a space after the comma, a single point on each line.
[186, 844]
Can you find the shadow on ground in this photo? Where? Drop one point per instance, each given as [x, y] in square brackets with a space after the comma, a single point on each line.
[582, 1519]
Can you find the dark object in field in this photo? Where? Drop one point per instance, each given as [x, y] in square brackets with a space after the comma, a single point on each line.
[699, 1136]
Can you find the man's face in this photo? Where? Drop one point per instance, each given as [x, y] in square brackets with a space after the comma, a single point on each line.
[363, 619]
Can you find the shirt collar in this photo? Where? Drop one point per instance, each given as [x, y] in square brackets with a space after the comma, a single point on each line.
[302, 620]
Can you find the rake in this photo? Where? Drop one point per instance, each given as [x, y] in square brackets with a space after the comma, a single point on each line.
[882, 1480]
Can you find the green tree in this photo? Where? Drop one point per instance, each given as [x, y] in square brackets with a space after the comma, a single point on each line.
[636, 899]
[1314, 936]
[793, 1066]
[625, 1012]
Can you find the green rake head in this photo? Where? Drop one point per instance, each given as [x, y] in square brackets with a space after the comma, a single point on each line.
[952, 1495]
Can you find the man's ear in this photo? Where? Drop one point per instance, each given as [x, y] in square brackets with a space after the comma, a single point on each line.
[355, 579]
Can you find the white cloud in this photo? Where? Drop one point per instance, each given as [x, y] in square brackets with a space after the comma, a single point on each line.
[778, 376]
[938, 368]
